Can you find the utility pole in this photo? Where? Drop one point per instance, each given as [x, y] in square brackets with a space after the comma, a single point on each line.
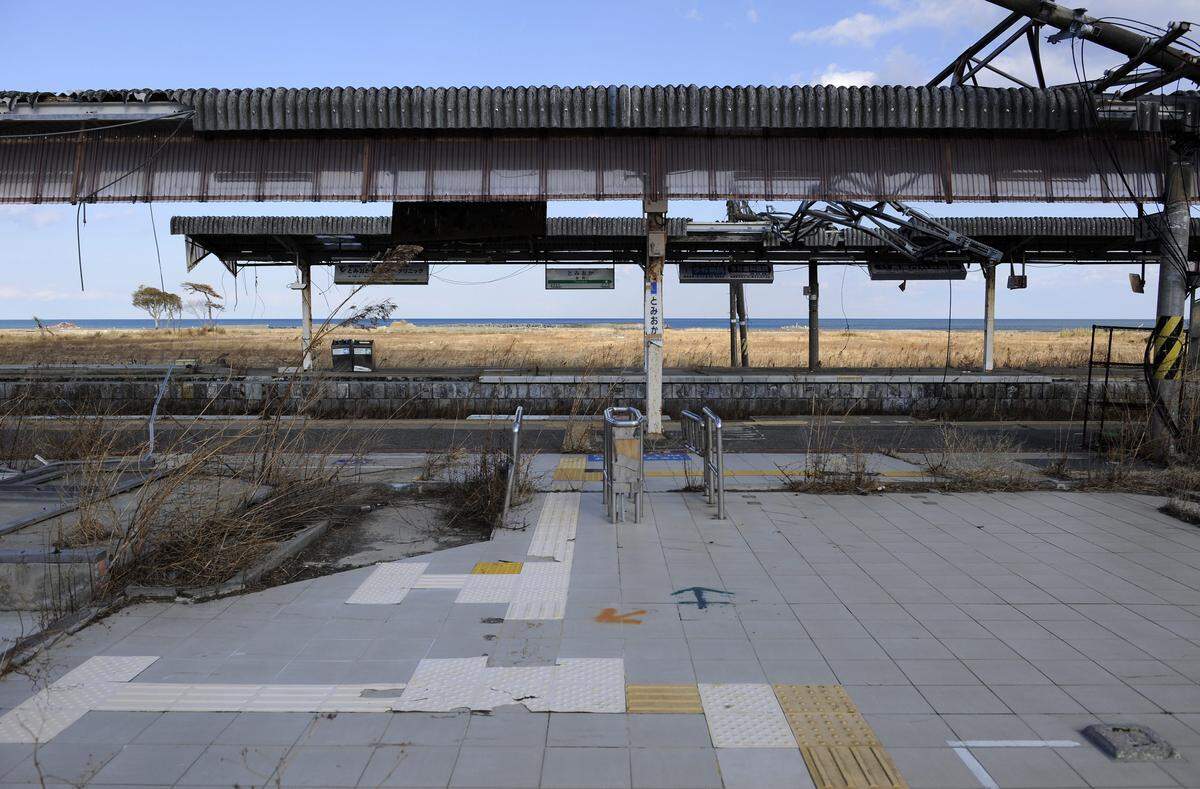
[743, 324]
[653, 316]
[1167, 340]
[814, 317]
[733, 330]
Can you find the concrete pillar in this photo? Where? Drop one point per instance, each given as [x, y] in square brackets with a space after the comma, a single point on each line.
[743, 325]
[653, 314]
[733, 330]
[305, 272]
[814, 317]
[989, 318]
[1172, 297]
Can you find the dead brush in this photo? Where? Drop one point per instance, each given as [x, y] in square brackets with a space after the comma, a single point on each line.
[973, 460]
[473, 498]
[825, 469]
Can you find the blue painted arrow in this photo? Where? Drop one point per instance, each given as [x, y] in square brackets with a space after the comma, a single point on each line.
[701, 600]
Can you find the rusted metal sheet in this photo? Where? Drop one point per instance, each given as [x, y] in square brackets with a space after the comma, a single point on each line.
[627, 107]
[570, 226]
[119, 166]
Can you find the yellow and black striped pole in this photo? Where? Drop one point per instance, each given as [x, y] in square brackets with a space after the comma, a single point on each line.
[1167, 361]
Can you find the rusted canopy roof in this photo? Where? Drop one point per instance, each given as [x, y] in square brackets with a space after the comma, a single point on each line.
[580, 226]
[626, 107]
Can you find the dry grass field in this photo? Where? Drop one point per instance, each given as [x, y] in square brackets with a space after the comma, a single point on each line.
[594, 347]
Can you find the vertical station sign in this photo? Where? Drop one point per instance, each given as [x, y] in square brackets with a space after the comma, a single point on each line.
[653, 307]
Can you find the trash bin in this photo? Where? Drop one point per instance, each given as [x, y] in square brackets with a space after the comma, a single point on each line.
[353, 356]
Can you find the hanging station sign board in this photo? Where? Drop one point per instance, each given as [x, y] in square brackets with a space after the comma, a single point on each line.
[706, 272]
[380, 274]
[894, 272]
[580, 278]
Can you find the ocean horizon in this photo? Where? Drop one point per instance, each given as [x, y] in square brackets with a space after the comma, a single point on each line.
[828, 322]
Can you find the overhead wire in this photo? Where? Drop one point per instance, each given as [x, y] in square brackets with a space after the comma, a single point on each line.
[94, 129]
[79, 209]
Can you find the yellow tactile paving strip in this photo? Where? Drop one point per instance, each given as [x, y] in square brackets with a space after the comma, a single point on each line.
[571, 468]
[663, 698]
[497, 568]
[814, 699]
[852, 768]
[838, 745]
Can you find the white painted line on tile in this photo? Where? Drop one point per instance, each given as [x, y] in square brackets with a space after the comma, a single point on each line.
[572, 685]
[977, 769]
[1012, 743]
[745, 715]
[981, 774]
[556, 526]
[388, 583]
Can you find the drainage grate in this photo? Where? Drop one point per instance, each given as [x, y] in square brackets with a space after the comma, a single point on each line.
[1130, 742]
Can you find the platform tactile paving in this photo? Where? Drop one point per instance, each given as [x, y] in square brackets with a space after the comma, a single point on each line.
[744, 715]
[830, 729]
[852, 768]
[571, 468]
[663, 699]
[496, 568]
[388, 583]
[556, 526]
[797, 699]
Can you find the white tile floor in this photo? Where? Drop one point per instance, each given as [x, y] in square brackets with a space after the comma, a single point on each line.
[946, 617]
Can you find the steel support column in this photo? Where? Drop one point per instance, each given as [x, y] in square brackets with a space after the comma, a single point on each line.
[989, 318]
[304, 271]
[733, 330]
[1172, 297]
[814, 317]
[652, 311]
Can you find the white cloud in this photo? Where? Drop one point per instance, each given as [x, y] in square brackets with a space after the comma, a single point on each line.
[837, 77]
[693, 14]
[35, 216]
[752, 15]
[863, 29]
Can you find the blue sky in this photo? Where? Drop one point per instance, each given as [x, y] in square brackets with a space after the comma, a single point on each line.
[73, 45]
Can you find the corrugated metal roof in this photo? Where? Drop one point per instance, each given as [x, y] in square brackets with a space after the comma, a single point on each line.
[1012, 228]
[618, 107]
[381, 226]
[281, 225]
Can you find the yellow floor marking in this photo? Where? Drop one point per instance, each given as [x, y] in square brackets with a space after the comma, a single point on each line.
[838, 745]
[852, 768]
[831, 729]
[571, 468]
[810, 699]
[497, 568]
[663, 698]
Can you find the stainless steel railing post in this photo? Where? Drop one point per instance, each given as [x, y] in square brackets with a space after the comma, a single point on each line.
[514, 462]
[717, 449]
[617, 467]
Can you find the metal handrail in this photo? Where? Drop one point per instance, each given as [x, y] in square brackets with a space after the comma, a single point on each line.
[715, 459]
[702, 436]
[622, 417]
[150, 439]
[514, 463]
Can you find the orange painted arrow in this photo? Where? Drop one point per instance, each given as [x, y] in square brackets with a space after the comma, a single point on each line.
[610, 615]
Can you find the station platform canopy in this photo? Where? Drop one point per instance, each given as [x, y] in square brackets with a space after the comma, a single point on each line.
[239, 241]
[612, 142]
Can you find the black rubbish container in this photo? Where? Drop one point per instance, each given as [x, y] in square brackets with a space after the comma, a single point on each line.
[353, 356]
